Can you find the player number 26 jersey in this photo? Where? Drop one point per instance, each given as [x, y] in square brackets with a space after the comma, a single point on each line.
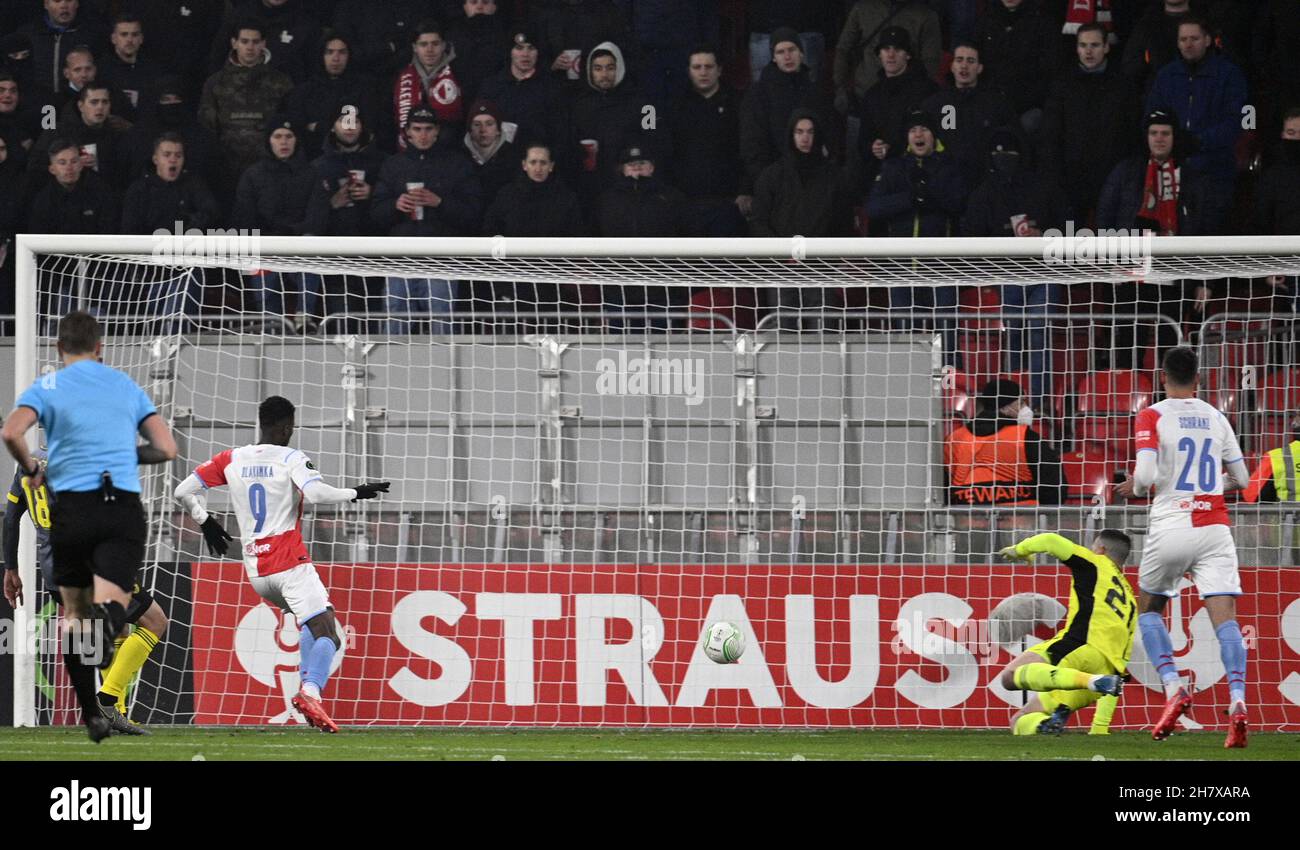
[1193, 441]
[266, 483]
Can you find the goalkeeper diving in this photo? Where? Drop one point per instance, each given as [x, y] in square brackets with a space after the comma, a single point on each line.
[1087, 661]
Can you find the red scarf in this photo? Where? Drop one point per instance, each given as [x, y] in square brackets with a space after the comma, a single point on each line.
[1160, 196]
[1086, 12]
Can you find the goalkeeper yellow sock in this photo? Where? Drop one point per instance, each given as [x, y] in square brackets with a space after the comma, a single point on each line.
[1105, 711]
[130, 657]
[1045, 677]
[1027, 724]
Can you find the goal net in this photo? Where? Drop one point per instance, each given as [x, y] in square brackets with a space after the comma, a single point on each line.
[598, 448]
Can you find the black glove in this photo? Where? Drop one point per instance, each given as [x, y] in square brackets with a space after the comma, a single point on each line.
[370, 490]
[215, 535]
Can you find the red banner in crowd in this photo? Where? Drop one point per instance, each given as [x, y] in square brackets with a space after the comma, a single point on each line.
[619, 645]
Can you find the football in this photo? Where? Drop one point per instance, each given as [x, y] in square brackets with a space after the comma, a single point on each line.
[724, 643]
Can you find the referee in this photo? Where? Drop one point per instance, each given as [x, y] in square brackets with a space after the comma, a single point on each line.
[91, 414]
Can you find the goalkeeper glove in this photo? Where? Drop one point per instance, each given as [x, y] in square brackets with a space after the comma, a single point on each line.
[215, 535]
[370, 490]
[1009, 553]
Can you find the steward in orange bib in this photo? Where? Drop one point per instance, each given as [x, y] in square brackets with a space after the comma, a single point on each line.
[997, 458]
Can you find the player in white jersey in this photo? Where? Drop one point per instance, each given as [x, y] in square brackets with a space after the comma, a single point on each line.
[1184, 447]
[268, 483]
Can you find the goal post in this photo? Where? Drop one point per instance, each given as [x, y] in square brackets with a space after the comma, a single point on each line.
[583, 482]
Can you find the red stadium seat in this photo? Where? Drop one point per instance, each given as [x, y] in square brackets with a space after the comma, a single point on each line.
[1115, 391]
[1279, 392]
[1087, 476]
[1108, 435]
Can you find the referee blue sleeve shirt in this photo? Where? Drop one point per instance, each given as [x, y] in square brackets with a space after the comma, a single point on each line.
[91, 414]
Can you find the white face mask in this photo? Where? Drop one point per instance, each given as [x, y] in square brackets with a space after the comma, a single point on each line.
[1025, 416]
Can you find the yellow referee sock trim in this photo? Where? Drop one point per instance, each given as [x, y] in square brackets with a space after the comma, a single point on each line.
[130, 657]
[1028, 723]
[1045, 677]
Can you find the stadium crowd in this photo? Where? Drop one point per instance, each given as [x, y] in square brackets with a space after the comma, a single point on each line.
[649, 118]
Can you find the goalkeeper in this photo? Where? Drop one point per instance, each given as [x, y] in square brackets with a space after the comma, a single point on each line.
[1087, 660]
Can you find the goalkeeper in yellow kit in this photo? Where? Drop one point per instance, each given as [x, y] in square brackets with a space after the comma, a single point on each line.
[1087, 660]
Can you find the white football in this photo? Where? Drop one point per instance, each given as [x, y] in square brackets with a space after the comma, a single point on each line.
[724, 643]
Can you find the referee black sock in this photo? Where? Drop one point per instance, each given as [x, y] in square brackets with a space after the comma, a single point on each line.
[83, 681]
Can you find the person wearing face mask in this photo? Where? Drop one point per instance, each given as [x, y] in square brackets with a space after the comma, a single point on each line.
[16, 59]
[1014, 200]
[1277, 200]
[166, 111]
[972, 111]
[998, 458]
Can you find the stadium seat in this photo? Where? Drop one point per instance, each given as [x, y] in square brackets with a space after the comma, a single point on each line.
[1107, 401]
[1087, 476]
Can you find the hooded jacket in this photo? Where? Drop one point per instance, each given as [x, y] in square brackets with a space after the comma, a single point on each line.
[1121, 196]
[803, 194]
[152, 203]
[448, 174]
[498, 169]
[918, 196]
[318, 100]
[576, 25]
[527, 208]
[1002, 194]
[291, 35]
[330, 171]
[132, 84]
[885, 109]
[535, 106]
[482, 49]
[765, 114]
[235, 104]
[637, 207]
[609, 117]
[436, 88]
[706, 143]
[203, 156]
[1087, 129]
[273, 193]
[857, 62]
[90, 206]
[976, 112]
[382, 31]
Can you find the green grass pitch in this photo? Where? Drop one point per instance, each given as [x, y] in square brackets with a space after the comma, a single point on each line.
[426, 744]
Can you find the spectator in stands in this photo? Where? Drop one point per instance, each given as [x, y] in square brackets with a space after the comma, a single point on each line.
[238, 99]
[480, 39]
[858, 53]
[291, 33]
[1019, 52]
[496, 161]
[1014, 200]
[272, 199]
[1076, 14]
[920, 193]
[172, 200]
[130, 75]
[170, 197]
[971, 112]
[336, 80]
[11, 183]
[998, 459]
[902, 88]
[102, 144]
[425, 191]
[705, 124]
[812, 19]
[344, 178]
[666, 30]
[61, 27]
[77, 200]
[79, 70]
[1274, 48]
[382, 31]
[1088, 123]
[16, 59]
[1275, 478]
[530, 101]
[1208, 92]
[1153, 43]
[17, 123]
[180, 37]
[1277, 199]
[640, 204]
[429, 80]
[536, 203]
[1154, 192]
[606, 112]
[569, 28]
[805, 194]
[166, 111]
[784, 86]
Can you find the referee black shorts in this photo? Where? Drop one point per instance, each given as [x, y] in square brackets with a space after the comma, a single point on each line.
[91, 537]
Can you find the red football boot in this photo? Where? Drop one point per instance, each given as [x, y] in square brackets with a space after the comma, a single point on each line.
[314, 712]
[1236, 729]
[1176, 707]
